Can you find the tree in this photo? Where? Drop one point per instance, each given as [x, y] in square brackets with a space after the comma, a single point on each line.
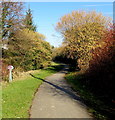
[82, 32]
[101, 70]
[28, 21]
[28, 50]
[22, 47]
[11, 21]
[12, 14]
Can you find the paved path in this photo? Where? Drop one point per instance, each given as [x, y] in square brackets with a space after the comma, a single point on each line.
[55, 99]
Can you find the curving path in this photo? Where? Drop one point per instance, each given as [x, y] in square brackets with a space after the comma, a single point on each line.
[55, 99]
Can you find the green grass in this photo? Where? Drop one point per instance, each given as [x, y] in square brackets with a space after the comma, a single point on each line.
[96, 106]
[18, 95]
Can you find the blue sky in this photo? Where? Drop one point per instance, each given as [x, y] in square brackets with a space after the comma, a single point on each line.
[47, 14]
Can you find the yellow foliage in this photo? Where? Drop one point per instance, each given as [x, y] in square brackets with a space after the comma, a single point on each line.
[29, 49]
[82, 32]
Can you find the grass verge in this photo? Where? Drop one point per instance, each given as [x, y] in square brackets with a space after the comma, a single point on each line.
[18, 95]
[96, 106]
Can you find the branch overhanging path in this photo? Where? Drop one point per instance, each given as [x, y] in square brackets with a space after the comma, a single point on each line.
[56, 99]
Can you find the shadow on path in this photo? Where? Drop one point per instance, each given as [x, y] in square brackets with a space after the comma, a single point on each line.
[71, 94]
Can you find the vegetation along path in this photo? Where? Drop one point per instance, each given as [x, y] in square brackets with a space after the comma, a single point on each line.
[55, 99]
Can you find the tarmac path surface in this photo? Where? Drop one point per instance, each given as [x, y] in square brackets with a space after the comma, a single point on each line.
[56, 99]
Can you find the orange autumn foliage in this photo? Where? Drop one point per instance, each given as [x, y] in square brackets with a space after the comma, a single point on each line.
[101, 67]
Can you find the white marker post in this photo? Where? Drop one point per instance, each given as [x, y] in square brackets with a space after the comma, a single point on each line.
[10, 67]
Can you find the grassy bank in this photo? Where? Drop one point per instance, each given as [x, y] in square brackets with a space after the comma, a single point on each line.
[96, 106]
[18, 95]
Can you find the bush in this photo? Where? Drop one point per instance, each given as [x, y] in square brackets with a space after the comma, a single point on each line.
[27, 50]
[101, 67]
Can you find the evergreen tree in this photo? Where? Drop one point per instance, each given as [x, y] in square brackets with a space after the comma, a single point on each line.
[28, 21]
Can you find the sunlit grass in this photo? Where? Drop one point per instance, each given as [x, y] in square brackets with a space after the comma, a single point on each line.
[18, 95]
